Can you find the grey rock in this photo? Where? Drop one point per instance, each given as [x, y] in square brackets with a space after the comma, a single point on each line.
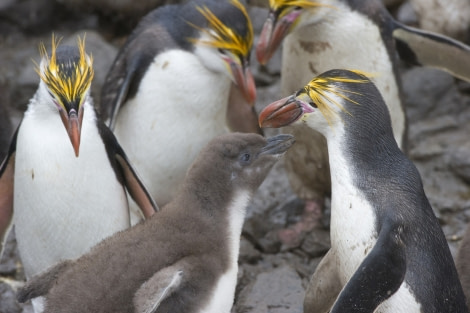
[460, 162]
[248, 253]
[277, 291]
[317, 243]
[429, 93]
[406, 15]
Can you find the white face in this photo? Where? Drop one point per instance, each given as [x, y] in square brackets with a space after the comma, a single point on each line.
[214, 59]
[323, 122]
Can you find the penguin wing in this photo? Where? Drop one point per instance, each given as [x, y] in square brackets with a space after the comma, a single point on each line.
[7, 175]
[40, 284]
[241, 116]
[156, 289]
[430, 49]
[379, 275]
[129, 67]
[126, 172]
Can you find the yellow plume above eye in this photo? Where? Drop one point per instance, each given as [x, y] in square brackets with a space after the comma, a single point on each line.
[320, 88]
[69, 80]
[277, 4]
[222, 36]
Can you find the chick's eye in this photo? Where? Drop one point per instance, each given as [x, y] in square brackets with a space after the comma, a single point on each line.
[245, 158]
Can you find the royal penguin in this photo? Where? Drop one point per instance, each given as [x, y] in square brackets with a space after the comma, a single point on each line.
[63, 183]
[183, 259]
[181, 78]
[354, 34]
[388, 252]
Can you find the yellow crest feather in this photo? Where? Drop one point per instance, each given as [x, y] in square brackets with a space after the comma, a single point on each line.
[278, 4]
[319, 88]
[67, 84]
[223, 37]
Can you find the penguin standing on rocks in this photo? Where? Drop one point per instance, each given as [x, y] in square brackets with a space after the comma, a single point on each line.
[65, 189]
[388, 252]
[325, 34]
[181, 79]
[183, 259]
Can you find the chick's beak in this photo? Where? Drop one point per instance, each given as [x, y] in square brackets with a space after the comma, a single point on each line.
[72, 122]
[281, 113]
[244, 80]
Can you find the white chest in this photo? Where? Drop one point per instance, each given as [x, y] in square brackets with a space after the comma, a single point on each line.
[224, 291]
[179, 107]
[342, 39]
[63, 204]
[352, 228]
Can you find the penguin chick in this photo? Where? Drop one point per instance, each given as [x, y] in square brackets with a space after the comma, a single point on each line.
[321, 35]
[387, 248]
[65, 176]
[183, 259]
[168, 92]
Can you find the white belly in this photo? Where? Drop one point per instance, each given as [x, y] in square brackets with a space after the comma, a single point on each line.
[353, 233]
[63, 205]
[180, 106]
[224, 291]
[343, 39]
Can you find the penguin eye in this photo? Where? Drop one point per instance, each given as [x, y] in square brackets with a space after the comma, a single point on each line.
[312, 104]
[222, 51]
[245, 158]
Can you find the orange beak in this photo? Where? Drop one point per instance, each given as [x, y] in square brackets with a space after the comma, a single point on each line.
[282, 112]
[244, 80]
[72, 122]
[274, 30]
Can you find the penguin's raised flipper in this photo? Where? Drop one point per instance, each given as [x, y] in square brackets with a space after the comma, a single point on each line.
[7, 174]
[126, 172]
[241, 116]
[430, 49]
[379, 275]
[324, 286]
[40, 285]
[160, 286]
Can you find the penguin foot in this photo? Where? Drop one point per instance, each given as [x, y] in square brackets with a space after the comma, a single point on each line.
[294, 235]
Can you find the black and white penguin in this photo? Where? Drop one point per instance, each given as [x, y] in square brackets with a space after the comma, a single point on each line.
[388, 252]
[183, 259]
[181, 79]
[353, 34]
[65, 189]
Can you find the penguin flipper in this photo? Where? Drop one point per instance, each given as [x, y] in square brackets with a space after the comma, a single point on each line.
[431, 49]
[378, 277]
[160, 286]
[241, 116]
[7, 175]
[130, 66]
[40, 284]
[324, 286]
[126, 172]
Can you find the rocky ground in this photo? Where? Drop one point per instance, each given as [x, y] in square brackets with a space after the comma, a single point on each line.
[272, 278]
